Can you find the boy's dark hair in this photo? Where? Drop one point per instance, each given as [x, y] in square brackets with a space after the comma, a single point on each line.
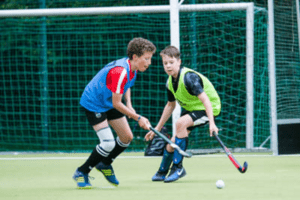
[171, 51]
[139, 46]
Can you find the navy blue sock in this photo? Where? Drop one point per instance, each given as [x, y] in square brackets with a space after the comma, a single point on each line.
[182, 143]
[166, 161]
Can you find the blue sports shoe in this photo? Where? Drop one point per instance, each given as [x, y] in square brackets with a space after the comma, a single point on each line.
[108, 173]
[175, 174]
[82, 180]
[159, 176]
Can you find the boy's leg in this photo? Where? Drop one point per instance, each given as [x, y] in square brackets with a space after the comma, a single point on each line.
[164, 166]
[123, 140]
[177, 170]
[107, 143]
[119, 148]
[105, 165]
[121, 126]
[102, 150]
[181, 139]
[182, 143]
[186, 123]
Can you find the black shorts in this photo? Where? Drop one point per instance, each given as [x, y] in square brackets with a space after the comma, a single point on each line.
[199, 118]
[96, 118]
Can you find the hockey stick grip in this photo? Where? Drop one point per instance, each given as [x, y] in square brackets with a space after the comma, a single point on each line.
[161, 135]
[222, 144]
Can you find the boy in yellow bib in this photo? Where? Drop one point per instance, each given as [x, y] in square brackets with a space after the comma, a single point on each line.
[200, 102]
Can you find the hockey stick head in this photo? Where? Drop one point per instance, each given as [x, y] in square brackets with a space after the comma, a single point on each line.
[185, 154]
[244, 168]
[188, 154]
[230, 156]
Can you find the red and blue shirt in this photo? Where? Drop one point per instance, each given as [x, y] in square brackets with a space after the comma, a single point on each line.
[115, 77]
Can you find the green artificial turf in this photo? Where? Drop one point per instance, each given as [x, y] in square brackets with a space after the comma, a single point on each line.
[49, 176]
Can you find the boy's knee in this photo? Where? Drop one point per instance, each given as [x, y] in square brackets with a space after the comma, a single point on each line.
[126, 138]
[108, 145]
[124, 143]
[107, 140]
[180, 125]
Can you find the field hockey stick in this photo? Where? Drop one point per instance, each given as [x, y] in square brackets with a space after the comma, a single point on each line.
[230, 156]
[175, 146]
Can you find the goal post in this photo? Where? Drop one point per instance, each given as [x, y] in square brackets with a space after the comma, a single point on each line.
[224, 51]
[272, 76]
[284, 62]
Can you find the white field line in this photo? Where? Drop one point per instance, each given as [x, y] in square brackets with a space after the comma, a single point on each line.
[130, 157]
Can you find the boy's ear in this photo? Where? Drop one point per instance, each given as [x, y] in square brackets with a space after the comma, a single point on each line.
[134, 56]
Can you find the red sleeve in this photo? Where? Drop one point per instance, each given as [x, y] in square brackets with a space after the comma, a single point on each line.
[116, 80]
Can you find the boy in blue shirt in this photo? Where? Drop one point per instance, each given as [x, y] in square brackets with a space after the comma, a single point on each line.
[102, 102]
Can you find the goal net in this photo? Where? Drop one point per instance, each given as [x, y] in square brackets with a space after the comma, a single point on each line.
[214, 43]
[47, 61]
[287, 30]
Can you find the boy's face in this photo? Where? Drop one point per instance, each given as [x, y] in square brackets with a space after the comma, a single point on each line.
[142, 63]
[171, 65]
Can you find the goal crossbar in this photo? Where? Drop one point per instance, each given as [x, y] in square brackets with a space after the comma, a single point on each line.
[121, 10]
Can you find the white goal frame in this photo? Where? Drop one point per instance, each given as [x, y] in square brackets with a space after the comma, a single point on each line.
[174, 9]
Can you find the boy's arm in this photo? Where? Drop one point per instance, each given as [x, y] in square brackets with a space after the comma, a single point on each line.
[127, 98]
[168, 110]
[209, 112]
[117, 104]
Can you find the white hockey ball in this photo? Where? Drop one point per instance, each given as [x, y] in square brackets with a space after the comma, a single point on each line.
[220, 184]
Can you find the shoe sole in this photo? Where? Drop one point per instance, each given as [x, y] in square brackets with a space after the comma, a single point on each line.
[158, 180]
[84, 188]
[176, 179]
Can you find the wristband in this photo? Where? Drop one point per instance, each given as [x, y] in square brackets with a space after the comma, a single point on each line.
[139, 118]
